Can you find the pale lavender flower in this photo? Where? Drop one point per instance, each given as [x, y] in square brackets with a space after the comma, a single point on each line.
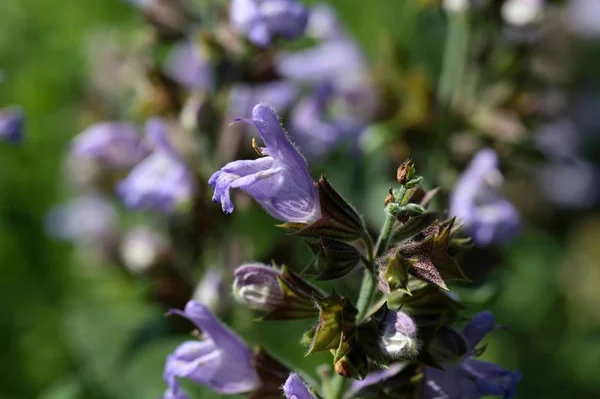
[328, 117]
[12, 123]
[584, 18]
[570, 183]
[477, 202]
[257, 286]
[262, 20]
[279, 181]
[188, 65]
[471, 378]
[295, 388]
[111, 144]
[279, 94]
[162, 181]
[87, 218]
[221, 361]
[398, 334]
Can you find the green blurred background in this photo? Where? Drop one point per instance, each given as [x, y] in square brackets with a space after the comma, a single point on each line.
[65, 325]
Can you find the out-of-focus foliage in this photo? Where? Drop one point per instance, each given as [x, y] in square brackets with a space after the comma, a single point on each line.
[72, 325]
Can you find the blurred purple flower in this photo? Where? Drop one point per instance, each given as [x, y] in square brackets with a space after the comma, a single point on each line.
[262, 20]
[12, 123]
[570, 183]
[189, 66]
[326, 118]
[221, 361]
[111, 144]
[279, 94]
[584, 17]
[398, 334]
[161, 182]
[477, 202]
[342, 98]
[279, 181]
[372, 380]
[87, 218]
[295, 388]
[471, 378]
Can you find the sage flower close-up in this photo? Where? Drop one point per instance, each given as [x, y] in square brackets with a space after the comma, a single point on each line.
[279, 181]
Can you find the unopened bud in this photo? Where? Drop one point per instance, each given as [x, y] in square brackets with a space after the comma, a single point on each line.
[405, 171]
[398, 335]
[257, 286]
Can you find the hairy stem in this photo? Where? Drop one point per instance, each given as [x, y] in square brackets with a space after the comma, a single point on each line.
[367, 287]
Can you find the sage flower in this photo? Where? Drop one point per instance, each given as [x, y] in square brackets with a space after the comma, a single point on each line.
[279, 181]
[488, 217]
[471, 378]
[262, 20]
[257, 286]
[221, 361]
[161, 182]
[111, 144]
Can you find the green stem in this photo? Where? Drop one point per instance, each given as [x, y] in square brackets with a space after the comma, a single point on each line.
[337, 386]
[367, 287]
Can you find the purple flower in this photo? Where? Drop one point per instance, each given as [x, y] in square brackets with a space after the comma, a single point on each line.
[372, 380]
[471, 378]
[477, 202]
[188, 65]
[112, 144]
[257, 286]
[12, 122]
[279, 94]
[221, 361]
[87, 218]
[261, 20]
[328, 117]
[295, 388]
[279, 181]
[398, 334]
[161, 182]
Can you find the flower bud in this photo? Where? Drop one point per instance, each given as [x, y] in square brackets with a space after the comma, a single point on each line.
[257, 286]
[398, 335]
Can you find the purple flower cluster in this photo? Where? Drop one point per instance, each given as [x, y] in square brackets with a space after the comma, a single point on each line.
[12, 123]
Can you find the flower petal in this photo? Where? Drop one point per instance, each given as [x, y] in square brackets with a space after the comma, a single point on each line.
[295, 388]
[479, 326]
